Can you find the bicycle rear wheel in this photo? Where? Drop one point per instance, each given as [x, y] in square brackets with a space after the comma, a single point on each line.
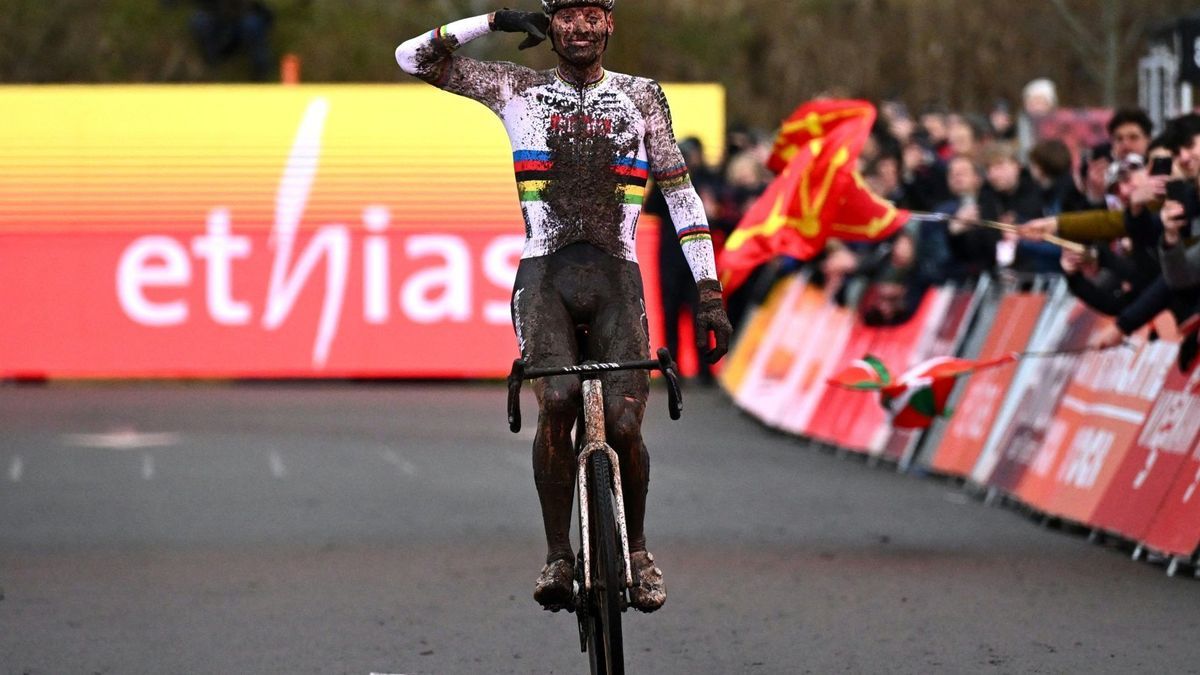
[605, 647]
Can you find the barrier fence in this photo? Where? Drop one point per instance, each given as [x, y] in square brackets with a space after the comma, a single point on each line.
[1108, 440]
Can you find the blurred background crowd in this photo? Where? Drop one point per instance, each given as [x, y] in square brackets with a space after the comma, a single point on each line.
[1125, 203]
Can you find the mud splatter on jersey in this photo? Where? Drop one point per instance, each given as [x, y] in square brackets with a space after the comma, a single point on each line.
[582, 155]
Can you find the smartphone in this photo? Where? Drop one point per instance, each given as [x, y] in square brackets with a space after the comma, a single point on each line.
[1184, 192]
[1179, 191]
[1161, 166]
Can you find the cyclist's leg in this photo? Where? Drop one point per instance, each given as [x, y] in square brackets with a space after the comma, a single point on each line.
[605, 292]
[546, 334]
[620, 333]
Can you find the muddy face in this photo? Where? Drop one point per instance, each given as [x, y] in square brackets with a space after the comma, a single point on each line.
[580, 34]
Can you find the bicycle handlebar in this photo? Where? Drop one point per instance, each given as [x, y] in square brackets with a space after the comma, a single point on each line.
[520, 372]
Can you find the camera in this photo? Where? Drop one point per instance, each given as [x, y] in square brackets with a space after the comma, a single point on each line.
[1161, 166]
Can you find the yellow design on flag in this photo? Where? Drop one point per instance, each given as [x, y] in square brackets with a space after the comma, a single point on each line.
[819, 193]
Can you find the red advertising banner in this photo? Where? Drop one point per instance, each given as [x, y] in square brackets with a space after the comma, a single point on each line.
[1038, 403]
[1102, 410]
[855, 420]
[815, 363]
[1152, 465]
[944, 341]
[976, 412]
[309, 231]
[762, 385]
[1176, 527]
[749, 342]
[336, 302]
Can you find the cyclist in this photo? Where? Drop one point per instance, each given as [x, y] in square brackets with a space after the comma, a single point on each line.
[585, 141]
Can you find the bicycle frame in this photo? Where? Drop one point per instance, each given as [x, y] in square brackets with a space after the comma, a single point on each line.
[593, 409]
[593, 415]
[598, 609]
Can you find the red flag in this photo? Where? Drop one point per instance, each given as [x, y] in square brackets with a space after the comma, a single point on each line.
[819, 194]
[818, 119]
[918, 396]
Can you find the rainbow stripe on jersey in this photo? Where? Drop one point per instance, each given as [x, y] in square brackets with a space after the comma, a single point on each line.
[535, 173]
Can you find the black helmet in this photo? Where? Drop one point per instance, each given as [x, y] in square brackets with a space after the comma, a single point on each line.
[549, 7]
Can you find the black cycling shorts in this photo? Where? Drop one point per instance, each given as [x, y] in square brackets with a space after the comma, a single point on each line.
[582, 285]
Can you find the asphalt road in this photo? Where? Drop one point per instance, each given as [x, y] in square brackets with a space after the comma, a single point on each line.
[364, 529]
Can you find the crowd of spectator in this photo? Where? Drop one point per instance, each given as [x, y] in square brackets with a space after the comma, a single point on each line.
[1130, 202]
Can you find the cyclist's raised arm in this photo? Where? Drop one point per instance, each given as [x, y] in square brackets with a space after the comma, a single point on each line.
[691, 222]
[431, 58]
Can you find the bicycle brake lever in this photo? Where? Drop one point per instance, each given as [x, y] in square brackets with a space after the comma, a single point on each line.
[674, 397]
[515, 378]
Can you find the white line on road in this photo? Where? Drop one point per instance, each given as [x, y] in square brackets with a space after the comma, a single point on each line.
[147, 466]
[123, 439]
[392, 457]
[278, 470]
[15, 469]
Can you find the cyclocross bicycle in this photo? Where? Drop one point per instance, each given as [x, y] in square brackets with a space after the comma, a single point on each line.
[603, 575]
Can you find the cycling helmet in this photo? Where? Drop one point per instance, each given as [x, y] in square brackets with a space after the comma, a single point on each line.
[549, 7]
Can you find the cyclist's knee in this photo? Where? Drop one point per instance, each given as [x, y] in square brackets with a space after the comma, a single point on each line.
[559, 400]
[624, 416]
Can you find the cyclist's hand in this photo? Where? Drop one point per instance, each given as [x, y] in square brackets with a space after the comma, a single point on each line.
[533, 24]
[711, 318]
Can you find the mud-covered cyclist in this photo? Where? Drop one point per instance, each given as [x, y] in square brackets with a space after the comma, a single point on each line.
[585, 142]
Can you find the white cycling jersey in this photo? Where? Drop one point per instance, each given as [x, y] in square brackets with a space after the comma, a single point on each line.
[582, 154]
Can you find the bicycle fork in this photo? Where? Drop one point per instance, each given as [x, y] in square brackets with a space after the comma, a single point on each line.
[593, 415]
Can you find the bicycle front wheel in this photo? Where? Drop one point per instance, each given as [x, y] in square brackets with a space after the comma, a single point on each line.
[605, 649]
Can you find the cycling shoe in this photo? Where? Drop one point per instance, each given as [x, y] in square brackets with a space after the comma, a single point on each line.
[648, 592]
[555, 588]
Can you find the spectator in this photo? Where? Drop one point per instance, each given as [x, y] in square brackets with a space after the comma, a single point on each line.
[894, 283]
[1001, 120]
[676, 286]
[965, 137]
[1050, 167]
[1180, 260]
[1093, 177]
[933, 130]
[1009, 195]
[899, 123]
[963, 180]
[1181, 217]
[924, 177]
[1181, 272]
[1129, 130]
[1038, 101]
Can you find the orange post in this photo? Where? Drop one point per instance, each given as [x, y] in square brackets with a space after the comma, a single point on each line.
[289, 69]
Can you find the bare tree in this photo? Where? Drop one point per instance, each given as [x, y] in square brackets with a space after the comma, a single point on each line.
[1103, 52]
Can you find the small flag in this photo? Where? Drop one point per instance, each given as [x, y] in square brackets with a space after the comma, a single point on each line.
[919, 396]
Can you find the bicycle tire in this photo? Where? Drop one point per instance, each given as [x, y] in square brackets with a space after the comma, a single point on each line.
[605, 647]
